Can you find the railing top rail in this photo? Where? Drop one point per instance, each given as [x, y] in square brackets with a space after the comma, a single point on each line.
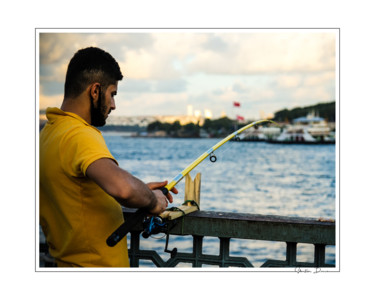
[263, 218]
[254, 226]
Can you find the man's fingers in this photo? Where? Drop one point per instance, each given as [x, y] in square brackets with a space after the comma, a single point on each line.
[157, 185]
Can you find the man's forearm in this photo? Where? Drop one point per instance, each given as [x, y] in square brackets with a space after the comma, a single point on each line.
[128, 190]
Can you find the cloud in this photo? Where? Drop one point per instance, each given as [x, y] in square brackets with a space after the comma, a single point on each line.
[171, 86]
[136, 85]
[50, 101]
[151, 104]
[52, 89]
[55, 47]
[165, 71]
[215, 43]
[289, 81]
[321, 78]
[154, 86]
[255, 53]
[241, 88]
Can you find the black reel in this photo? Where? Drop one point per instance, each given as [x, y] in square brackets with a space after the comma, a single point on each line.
[153, 225]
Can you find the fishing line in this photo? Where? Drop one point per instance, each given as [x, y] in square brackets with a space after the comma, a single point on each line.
[158, 238]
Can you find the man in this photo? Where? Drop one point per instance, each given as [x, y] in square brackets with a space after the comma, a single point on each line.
[82, 187]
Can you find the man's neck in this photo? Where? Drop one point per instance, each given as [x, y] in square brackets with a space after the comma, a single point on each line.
[79, 106]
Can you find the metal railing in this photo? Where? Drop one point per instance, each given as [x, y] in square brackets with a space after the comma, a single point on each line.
[226, 226]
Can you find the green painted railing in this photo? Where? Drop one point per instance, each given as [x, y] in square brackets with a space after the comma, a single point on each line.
[226, 226]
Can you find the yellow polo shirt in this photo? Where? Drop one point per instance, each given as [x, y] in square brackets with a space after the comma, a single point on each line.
[76, 215]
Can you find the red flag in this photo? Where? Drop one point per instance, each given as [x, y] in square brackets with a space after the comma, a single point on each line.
[236, 104]
[240, 118]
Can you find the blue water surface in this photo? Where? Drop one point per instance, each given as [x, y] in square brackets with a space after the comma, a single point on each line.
[248, 177]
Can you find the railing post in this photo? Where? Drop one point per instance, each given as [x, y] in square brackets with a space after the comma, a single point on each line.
[319, 255]
[291, 254]
[224, 250]
[197, 251]
[134, 249]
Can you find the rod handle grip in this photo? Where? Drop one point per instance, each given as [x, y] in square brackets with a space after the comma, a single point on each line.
[125, 227]
[164, 190]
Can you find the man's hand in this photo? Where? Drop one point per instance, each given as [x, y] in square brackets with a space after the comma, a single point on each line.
[162, 200]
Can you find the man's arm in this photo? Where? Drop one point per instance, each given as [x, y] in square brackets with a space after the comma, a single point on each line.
[128, 190]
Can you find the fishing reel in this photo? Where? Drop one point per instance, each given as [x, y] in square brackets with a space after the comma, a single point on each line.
[153, 225]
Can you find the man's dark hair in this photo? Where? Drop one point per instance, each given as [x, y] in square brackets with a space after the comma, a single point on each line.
[88, 66]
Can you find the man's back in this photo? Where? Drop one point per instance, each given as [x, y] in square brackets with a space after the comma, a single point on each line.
[75, 213]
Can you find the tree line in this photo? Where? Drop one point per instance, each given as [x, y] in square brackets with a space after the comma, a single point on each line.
[214, 128]
[224, 126]
[326, 111]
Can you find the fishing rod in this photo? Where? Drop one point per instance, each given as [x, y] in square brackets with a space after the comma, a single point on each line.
[139, 215]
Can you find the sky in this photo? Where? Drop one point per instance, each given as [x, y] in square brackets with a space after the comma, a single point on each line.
[180, 72]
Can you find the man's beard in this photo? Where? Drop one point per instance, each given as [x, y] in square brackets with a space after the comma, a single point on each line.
[98, 113]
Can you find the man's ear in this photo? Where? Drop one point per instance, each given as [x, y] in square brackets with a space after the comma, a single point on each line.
[94, 91]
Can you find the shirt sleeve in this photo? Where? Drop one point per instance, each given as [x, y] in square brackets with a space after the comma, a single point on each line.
[81, 148]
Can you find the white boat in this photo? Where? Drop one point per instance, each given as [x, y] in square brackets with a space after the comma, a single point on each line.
[259, 134]
[306, 130]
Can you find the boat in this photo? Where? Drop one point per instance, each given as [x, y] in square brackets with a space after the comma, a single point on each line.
[310, 129]
[306, 130]
[259, 134]
[301, 135]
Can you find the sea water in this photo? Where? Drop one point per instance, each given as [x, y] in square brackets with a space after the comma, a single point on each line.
[248, 177]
